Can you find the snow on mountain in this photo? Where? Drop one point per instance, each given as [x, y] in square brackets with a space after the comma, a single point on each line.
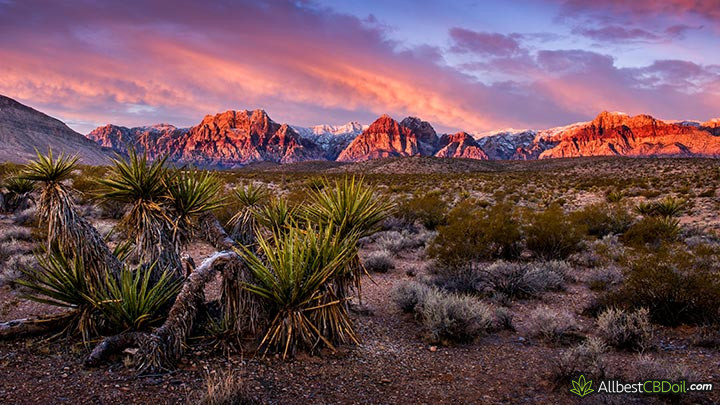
[331, 138]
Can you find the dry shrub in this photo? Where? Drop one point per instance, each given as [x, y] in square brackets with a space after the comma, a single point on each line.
[629, 330]
[224, 389]
[519, 280]
[586, 358]
[454, 318]
[553, 326]
[409, 295]
[648, 368]
[503, 319]
[15, 234]
[604, 278]
[397, 242]
[447, 317]
[12, 268]
[379, 261]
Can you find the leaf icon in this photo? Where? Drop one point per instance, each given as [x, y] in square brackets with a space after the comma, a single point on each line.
[582, 387]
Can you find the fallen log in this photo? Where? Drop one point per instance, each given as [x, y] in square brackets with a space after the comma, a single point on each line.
[34, 326]
[212, 231]
[164, 346]
[160, 350]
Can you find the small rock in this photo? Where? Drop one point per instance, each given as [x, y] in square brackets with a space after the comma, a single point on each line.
[433, 348]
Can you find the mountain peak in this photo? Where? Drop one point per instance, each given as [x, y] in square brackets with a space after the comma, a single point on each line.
[460, 145]
[618, 119]
[384, 123]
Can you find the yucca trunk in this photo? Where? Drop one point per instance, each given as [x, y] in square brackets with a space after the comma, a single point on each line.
[73, 234]
[242, 310]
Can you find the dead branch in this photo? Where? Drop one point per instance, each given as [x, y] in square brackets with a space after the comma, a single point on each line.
[34, 326]
[213, 232]
[164, 346]
[114, 344]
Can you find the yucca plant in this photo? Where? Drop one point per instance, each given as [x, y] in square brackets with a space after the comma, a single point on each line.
[18, 191]
[132, 302]
[351, 208]
[292, 270]
[243, 223]
[190, 193]
[277, 215]
[56, 206]
[669, 207]
[614, 196]
[143, 185]
[63, 282]
[67, 231]
[47, 169]
[645, 208]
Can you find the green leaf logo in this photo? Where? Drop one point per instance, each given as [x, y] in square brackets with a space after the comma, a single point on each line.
[581, 387]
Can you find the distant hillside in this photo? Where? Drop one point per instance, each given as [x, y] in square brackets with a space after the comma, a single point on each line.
[23, 129]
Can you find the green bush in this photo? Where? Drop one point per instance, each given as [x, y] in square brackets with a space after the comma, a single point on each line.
[430, 209]
[676, 286]
[551, 234]
[653, 231]
[602, 219]
[474, 234]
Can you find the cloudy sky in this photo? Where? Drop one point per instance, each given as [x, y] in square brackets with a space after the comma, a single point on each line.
[470, 65]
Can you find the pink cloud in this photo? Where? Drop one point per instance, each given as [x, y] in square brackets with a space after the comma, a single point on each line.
[136, 63]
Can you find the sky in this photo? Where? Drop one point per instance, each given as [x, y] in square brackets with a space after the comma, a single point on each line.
[476, 66]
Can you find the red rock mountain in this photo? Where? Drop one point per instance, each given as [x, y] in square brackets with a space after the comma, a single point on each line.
[642, 135]
[227, 139]
[460, 145]
[236, 138]
[23, 129]
[388, 138]
[156, 140]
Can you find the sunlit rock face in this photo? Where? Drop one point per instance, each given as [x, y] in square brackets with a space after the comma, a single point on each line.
[460, 145]
[388, 138]
[228, 139]
[642, 135]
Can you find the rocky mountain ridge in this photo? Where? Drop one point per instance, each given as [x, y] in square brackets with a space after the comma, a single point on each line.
[237, 138]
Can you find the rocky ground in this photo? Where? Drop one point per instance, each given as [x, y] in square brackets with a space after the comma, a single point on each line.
[393, 365]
